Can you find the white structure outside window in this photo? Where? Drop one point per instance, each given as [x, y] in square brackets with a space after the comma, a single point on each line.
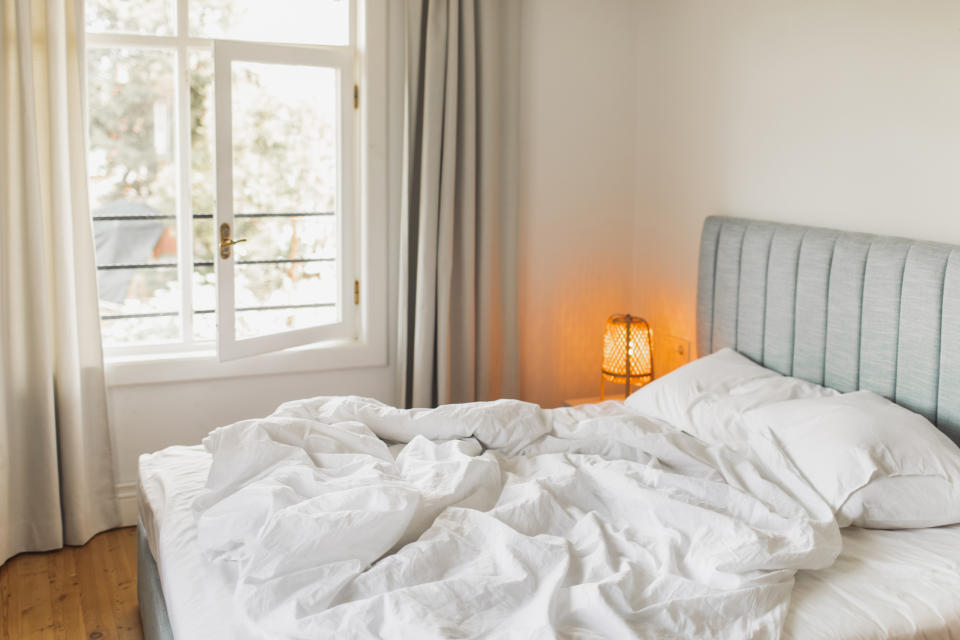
[236, 180]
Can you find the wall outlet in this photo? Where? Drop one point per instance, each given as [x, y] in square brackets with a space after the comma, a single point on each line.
[670, 352]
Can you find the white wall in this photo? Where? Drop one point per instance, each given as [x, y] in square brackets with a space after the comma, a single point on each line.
[576, 200]
[149, 417]
[841, 113]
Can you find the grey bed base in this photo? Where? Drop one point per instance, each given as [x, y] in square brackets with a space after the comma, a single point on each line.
[846, 310]
[153, 608]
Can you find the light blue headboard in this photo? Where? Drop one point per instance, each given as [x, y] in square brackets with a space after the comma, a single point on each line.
[845, 310]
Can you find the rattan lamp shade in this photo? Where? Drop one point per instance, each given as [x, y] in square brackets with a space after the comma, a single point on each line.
[627, 351]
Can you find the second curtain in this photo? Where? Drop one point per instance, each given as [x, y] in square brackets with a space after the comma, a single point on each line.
[457, 291]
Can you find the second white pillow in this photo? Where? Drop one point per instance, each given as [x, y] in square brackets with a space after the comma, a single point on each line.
[876, 463]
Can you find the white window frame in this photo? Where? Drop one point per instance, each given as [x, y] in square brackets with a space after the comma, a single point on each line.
[342, 62]
[367, 346]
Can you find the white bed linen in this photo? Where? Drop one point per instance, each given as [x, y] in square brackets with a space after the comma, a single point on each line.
[510, 521]
[198, 593]
[885, 584]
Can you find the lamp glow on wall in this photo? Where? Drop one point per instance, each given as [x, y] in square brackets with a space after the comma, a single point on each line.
[627, 352]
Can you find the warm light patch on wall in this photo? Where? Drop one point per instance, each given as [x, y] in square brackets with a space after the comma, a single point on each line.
[672, 353]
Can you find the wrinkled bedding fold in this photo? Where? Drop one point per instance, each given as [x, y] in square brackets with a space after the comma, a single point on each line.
[503, 520]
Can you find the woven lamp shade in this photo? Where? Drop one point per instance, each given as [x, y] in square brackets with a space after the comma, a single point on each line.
[627, 343]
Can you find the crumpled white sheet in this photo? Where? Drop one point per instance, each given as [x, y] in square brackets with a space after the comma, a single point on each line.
[504, 520]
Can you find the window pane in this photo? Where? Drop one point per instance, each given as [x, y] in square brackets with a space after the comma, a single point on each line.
[283, 21]
[138, 290]
[203, 194]
[202, 153]
[149, 330]
[204, 303]
[250, 323]
[204, 280]
[131, 128]
[285, 183]
[132, 192]
[150, 17]
[283, 237]
[306, 293]
[285, 284]
[139, 305]
[284, 138]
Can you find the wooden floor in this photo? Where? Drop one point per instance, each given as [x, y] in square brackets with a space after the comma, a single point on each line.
[75, 593]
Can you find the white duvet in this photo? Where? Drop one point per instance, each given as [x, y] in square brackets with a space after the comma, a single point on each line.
[503, 520]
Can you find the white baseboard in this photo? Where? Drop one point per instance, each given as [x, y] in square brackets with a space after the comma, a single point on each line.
[127, 501]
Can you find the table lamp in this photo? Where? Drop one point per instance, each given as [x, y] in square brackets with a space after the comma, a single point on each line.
[627, 352]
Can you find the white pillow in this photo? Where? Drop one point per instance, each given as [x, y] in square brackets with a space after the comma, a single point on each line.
[709, 396]
[877, 464]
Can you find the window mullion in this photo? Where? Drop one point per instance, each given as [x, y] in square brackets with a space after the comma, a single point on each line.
[184, 198]
[183, 20]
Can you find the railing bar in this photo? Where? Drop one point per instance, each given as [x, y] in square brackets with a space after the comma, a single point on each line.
[301, 214]
[136, 217]
[281, 307]
[127, 316]
[285, 261]
[207, 263]
[209, 216]
[171, 314]
[149, 265]
[279, 261]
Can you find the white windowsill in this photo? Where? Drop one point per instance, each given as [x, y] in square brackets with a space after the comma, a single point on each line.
[202, 365]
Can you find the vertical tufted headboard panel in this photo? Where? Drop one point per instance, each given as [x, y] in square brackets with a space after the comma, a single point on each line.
[846, 310]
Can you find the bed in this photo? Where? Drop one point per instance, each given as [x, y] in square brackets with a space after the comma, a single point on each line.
[846, 311]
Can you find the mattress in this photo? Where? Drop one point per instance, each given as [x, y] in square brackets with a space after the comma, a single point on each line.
[885, 584]
[198, 593]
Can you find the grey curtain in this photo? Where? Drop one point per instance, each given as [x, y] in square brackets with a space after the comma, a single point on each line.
[56, 467]
[457, 316]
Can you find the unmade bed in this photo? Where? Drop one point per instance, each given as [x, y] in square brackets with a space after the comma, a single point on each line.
[826, 313]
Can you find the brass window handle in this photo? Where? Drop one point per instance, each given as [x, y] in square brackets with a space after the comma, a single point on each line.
[226, 241]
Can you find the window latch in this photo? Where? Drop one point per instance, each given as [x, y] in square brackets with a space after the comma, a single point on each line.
[226, 241]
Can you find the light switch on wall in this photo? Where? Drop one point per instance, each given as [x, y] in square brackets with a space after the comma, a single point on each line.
[670, 352]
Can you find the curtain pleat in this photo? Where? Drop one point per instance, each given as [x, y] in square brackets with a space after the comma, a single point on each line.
[56, 478]
[455, 314]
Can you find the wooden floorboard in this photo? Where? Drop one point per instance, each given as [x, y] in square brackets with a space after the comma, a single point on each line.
[74, 593]
[36, 617]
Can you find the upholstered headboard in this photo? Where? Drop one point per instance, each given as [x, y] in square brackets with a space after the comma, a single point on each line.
[845, 310]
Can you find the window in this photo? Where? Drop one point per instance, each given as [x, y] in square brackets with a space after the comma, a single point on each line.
[224, 173]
